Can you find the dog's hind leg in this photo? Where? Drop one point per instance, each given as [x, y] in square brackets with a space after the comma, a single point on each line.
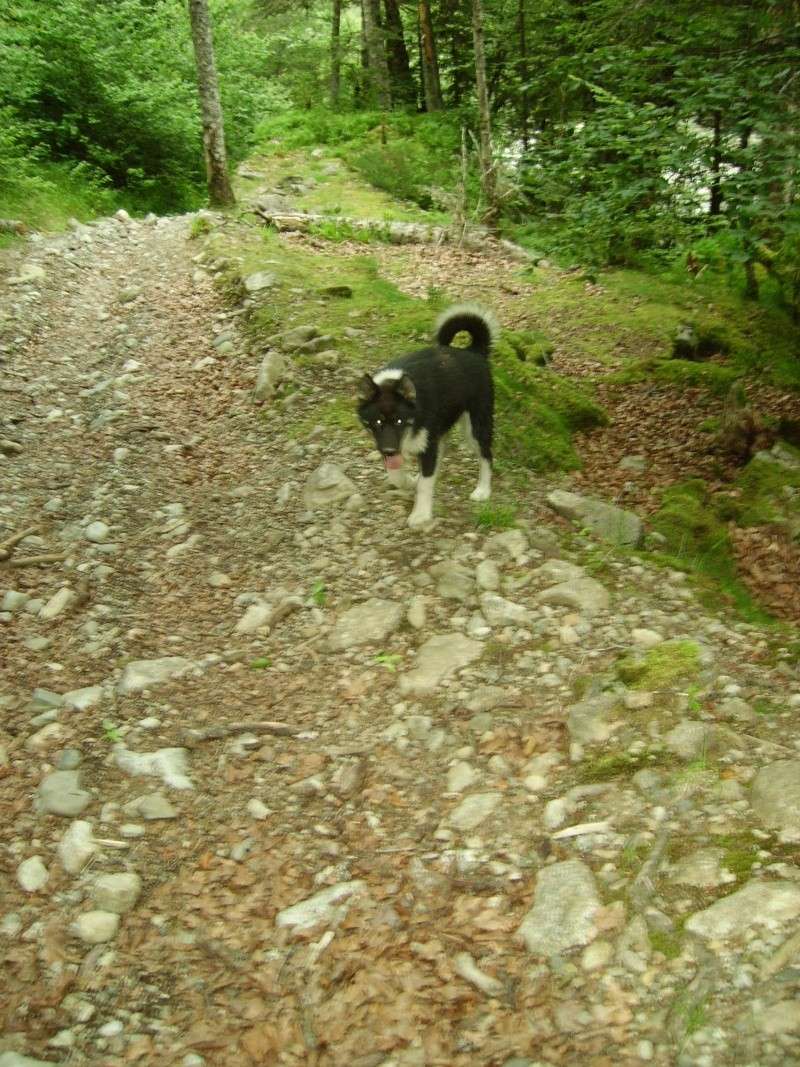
[422, 511]
[478, 435]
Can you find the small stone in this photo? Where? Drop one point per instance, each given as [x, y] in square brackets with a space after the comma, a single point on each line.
[598, 954]
[96, 927]
[13, 600]
[68, 760]
[702, 869]
[460, 777]
[81, 699]
[326, 486]
[501, 612]
[77, 846]
[453, 582]
[97, 532]
[776, 795]
[255, 283]
[117, 893]
[143, 673]
[257, 809]
[271, 373]
[218, 580]
[564, 909]
[646, 638]
[585, 595]
[487, 575]
[416, 613]
[155, 806]
[60, 794]
[368, 623]
[473, 810]
[58, 603]
[691, 739]
[780, 1018]
[436, 660]
[32, 874]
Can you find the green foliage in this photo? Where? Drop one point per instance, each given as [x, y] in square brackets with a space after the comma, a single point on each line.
[540, 409]
[493, 516]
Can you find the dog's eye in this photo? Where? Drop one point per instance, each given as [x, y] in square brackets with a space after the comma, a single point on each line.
[379, 422]
[399, 421]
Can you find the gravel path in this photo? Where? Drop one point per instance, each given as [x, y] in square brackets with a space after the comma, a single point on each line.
[285, 782]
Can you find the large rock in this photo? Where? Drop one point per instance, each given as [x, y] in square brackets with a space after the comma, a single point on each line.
[327, 485]
[585, 595]
[366, 624]
[453, 581]
[564, 908]
[776, 795]
[756, 904]
[609, 522]
[144, 673]
[60, 794]
[501, 612]
[595, 719]
[438, 658]
[270, 375]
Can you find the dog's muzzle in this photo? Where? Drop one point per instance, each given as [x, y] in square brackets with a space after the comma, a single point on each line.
[393, 460]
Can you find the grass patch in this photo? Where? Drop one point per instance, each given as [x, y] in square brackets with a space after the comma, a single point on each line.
[615, 764]
[492, 516]
[661, 667]
[741, 853]
[665, 942]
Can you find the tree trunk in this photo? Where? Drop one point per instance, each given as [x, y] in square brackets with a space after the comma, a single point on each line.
[488, 173]
[524, 103]
[400, 75]
[377, 70]
[336, 53]
[220, 192]
[429, 59]
[715, 189]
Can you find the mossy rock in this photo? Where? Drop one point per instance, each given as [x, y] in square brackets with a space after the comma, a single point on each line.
[769, 489]
[697, 341]
[661, 667]
[685, 372]
[539, 411]
[529, 346]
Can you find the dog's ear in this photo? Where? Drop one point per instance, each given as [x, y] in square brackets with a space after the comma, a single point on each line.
[367, 388]
[406, 389]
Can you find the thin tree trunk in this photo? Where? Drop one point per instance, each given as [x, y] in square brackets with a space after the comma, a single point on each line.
[376, 53]
[397, 54]
[488, 173]
[336, 53]
[220, 191]
[524, 74]
[715, 192]
[430, 59]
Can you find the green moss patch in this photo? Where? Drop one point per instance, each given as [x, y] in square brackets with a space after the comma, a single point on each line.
[661, 667]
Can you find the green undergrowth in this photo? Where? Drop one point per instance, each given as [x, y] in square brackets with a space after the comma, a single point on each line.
[661, 667]
[45, 199]
[697, 540]
[538, 409]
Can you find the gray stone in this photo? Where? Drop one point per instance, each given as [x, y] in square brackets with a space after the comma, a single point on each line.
[60, 794]
[46, 698]
[609, 522]
[116, 892]
[756, 904]
[97, 532]
[369, 623]
[559, 570]
[96, 927]
[154, 806]
[501, 612]
[595, 719]
[143, 673]
[487, 575]
[169, 764]
[473, 810]
[271, 373]
[77, 846]
[511, 543]
[453, 582]
[262, 279]
[702, 869]
[736, 710]
[780, 1018]
[81, 699]
[327, 485]
[326, 907]
[437, 659]
[564, 909]
[487, 698]
[13, 600]
[691, 739]
[58, 603]
[776, 795]
[584, 595]
[292, 339]
[15, 1059]
[460, 777]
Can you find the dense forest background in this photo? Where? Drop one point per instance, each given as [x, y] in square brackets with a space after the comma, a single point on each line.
[622, 133]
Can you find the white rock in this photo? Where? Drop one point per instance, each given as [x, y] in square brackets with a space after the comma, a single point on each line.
[171, 764]
[81, 699]
[32, 874]
[368, 623]
[501, 612]
[96, 927]
[473, 810]
[487, 575]
[460, 777]
[767, 903]
[256, 616]
[77, 846]
[257, 809]
[646, 638]
[97, 532]
[143, 673]
[58, 603]
[328, 907]
[437, 659]
[117, 893]
[564, 909]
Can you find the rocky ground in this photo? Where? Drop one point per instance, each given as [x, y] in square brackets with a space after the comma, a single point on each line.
[284, 782]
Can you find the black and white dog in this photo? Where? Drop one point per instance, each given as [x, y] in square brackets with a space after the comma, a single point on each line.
[412, 402]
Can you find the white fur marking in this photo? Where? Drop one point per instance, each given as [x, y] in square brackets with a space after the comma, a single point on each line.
[414, 443]
[422, 511]
[391, 374]
[483, 490]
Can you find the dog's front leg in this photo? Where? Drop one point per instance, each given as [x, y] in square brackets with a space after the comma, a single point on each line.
[422, 511]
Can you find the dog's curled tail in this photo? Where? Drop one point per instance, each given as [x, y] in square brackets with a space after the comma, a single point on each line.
[480, 324]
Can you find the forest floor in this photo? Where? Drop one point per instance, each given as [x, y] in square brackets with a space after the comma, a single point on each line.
[286, 782]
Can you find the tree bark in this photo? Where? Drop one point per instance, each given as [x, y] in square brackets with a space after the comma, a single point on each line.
[429, 58]
[715, 191]
[524, 102]
[402, 80]
[488, 172]
[336, 53]
[220, 191]
[377, 69]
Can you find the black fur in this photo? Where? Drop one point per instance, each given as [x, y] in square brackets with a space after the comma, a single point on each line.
[419, 397]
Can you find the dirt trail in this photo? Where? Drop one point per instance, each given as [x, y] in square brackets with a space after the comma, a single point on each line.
[416, 816]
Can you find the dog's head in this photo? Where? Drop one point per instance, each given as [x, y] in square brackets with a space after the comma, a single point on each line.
[387, 409]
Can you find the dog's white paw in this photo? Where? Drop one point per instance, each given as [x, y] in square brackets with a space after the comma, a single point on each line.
[480, 493]
[419, 518]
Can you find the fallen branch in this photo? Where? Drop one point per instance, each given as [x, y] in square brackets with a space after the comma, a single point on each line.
[215, 733]
[33, 561]
[7, 547]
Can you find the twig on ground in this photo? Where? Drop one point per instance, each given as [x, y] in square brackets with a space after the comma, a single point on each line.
[215, 733]
[7, 547]
[34, 561]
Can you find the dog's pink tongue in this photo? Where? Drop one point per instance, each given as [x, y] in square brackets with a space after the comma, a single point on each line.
[393, 462]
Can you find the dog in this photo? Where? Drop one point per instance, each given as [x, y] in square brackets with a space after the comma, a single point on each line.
[410, 404]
